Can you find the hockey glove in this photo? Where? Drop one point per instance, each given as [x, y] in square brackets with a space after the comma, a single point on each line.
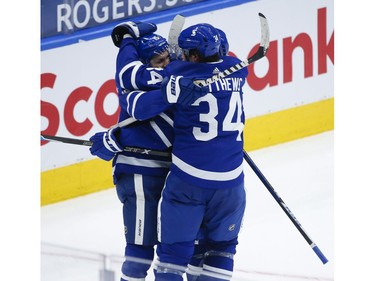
[135, 29]
[184, 91]
[105, 144]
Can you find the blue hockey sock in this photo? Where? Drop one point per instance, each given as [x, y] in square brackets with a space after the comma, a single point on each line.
[195, 266]
[218, 261]
[138, 260]
[173, 260]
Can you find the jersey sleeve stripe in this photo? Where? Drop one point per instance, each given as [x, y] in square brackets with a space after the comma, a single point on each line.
[125, 68]
[132, 102]
[133, 76]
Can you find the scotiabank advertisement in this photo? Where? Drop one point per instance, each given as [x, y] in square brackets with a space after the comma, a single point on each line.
[78, 93]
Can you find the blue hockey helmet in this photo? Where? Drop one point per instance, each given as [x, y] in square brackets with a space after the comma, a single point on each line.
[203, 37]
[151, 45]
[224, 46]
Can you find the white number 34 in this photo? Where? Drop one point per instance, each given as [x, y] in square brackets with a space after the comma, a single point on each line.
[231, 122]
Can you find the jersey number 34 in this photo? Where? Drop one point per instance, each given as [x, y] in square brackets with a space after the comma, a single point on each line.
[231, 122]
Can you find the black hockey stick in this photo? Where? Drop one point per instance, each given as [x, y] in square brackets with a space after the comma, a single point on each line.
[261, 52]
[285, 208]
[89, 143]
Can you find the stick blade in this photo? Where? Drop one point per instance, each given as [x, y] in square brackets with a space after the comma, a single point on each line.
[175, 30]
[265, 32]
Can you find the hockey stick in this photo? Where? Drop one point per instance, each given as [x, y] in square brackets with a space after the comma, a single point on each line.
[261, 52]
[283, 206]
[89, 143]
[174, 31]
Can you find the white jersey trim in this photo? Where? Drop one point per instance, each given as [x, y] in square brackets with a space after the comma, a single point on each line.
[133, 76]
[126, 67]
[149, 163]
[166, 118]
[140, 210]
[204, 174]
[138, 94]
[160, 133]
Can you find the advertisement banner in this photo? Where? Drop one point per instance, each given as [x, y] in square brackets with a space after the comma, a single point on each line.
[78, 94]
[60, 17]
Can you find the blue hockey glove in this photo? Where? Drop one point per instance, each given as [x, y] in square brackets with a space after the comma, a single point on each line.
[178, 89]
[135, 29]
[105, 144]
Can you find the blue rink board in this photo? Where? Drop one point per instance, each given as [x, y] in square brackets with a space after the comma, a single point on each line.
[157, 18]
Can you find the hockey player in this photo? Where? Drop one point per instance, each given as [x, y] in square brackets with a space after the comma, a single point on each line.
[206, 182]
[139, 178]
[195, 265]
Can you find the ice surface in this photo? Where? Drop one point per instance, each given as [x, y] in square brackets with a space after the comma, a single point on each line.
[270, 247]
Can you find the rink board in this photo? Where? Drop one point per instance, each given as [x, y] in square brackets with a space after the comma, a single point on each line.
[288, 94]
[271, 129]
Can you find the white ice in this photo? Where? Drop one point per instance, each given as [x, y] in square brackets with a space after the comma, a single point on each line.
[270, 246]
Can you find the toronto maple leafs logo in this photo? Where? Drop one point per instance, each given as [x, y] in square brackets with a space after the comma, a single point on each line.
[194, 31]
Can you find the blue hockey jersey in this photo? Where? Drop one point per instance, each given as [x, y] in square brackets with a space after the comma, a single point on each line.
[155, 132]
[208, 142]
